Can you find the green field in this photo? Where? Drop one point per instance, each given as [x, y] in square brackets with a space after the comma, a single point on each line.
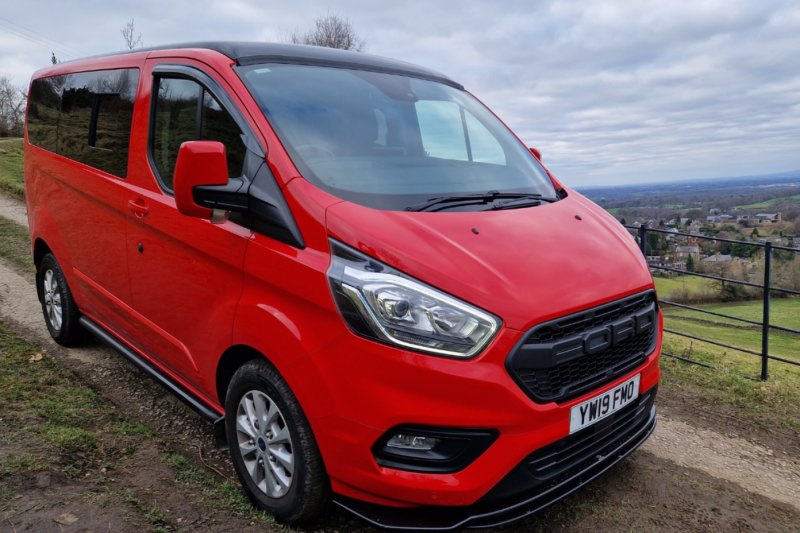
[772, 404]
[11, 167]
[784, 312]
[694, 287]
[769, 203]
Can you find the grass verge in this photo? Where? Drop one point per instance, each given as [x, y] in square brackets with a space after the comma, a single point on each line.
[772, 404]
[53, 424]
[15, 245]
[11, 175]
[216, 493]
[51, 421]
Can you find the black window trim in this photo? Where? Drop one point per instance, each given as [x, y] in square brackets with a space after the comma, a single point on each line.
[187, 72]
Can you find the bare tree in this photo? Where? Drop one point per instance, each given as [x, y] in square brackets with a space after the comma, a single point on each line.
[332, 31]
[12, 108]
[129, 34]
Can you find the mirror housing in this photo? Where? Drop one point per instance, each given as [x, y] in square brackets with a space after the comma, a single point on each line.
[536, 153]
[201, 182]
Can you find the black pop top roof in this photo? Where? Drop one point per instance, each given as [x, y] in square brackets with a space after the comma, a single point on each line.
[251, 53]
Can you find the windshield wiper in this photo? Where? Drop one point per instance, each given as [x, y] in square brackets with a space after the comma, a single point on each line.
[446, 202]
[518, 203]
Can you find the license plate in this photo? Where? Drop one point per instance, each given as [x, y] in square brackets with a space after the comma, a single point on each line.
[603, 405]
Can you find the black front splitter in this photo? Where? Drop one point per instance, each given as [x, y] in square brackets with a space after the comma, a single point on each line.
[485, 515]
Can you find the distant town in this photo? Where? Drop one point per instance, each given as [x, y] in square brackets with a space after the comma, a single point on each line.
[717, 228]
[681, 246]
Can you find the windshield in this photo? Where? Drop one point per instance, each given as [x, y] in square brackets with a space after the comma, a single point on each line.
[389, 141]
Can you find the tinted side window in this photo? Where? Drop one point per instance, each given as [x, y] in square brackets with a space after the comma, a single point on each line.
[85, 116]
[44, 106]
[184, 111]
[174, 122]
[218, 125]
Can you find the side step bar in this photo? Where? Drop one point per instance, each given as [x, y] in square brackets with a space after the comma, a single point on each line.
[185, 396]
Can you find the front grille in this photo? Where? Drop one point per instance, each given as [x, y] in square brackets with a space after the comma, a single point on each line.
[556, 462]
[563, 358]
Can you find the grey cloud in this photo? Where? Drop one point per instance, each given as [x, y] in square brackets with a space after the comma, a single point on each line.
[611, 91]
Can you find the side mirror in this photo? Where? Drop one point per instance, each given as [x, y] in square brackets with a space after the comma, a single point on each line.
[536, 153]
[201, 181]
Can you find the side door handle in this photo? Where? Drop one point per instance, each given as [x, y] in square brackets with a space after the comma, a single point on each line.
[138, 207]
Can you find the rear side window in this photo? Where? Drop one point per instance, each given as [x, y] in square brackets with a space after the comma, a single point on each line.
[85, 116]
[185, 111]
[44, 107]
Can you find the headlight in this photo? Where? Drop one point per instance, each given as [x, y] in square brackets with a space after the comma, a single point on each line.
[381, 303]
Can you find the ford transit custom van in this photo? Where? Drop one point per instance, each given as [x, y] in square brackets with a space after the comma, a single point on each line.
[378, 295]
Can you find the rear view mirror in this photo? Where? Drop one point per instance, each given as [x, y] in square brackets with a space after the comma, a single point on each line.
[536, 153]
[201, 181]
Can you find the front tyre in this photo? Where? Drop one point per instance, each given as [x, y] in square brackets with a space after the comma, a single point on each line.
[60, 312]
[272, 447]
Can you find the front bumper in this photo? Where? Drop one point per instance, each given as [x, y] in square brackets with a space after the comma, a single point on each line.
[542, 479]
[397, 388]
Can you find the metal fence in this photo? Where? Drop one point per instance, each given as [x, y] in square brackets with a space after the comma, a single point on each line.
[767, 289]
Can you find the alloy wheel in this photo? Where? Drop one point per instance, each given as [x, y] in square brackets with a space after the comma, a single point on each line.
[265, 443]
[52, 299]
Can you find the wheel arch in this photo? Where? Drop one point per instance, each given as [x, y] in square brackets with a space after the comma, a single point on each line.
[40, 249]
[304, 380]
[46, 238]
[233, 359]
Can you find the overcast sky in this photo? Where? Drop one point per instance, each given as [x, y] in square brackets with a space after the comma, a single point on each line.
[610, 91]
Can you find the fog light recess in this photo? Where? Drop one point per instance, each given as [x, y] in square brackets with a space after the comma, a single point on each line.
[431, 449]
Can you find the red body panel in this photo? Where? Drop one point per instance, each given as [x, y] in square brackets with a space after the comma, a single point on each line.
[516, 266]
[181, 291]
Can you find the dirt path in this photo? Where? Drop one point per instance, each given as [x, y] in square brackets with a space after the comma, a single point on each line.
[750, 465]
[729, 468]
[13, 209]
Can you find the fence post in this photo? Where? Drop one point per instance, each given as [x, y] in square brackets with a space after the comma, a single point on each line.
[643, 239]
[765, 321]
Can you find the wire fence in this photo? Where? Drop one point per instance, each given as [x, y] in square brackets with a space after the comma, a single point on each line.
[766, 288]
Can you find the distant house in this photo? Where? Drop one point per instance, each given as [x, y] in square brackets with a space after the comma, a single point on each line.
[661, 265]
[768, 218]
[694, 228]
[656, 263]
[719, 258]
[712, 219]
[686, 251]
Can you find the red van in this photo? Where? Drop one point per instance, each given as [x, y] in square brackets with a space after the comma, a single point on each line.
[374, 290]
